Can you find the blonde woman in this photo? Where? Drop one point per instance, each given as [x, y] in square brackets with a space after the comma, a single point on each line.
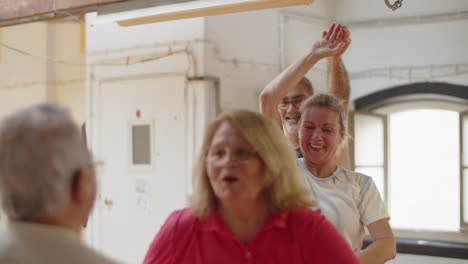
[248, 204]
[350, 200]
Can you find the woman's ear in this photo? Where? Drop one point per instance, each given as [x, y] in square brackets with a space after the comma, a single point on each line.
[342, 134]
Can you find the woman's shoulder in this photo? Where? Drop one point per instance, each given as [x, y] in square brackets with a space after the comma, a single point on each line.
[181, 219]
[184, 214]
[172, 238]
[354, 176]
[307, 224]
[304, 216]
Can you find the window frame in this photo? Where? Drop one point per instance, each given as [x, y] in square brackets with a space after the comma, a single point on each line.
[463, 223]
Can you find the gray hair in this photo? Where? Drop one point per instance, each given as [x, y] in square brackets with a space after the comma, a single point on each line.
[306, 82]
[41, 148]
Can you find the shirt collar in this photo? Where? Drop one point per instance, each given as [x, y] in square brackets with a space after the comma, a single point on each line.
[338, 174]
[214, 223]
[32, 229]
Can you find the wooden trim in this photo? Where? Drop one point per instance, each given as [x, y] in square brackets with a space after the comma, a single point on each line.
[83, 38]
[222, 7]
[1, 41]
[11, 10]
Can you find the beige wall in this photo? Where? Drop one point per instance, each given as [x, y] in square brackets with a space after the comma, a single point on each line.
[26, 79]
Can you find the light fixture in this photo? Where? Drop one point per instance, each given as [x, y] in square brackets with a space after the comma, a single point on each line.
[137, 12]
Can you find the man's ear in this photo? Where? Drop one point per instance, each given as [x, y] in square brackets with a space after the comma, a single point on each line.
[81, 185]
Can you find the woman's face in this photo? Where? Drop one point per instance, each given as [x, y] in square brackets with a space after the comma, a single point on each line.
[235, 170]
[320, 135]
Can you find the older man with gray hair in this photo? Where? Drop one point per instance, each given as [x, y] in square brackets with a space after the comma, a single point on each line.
[47, 187]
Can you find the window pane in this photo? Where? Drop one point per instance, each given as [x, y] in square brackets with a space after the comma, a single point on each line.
[377, 175]
[424, 170]
[465, 194]
[369, 140]
[141, 144]
[465, 170]
[465, 140]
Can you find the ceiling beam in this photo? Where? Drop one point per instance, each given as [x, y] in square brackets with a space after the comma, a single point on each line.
[14, 12]
[152, 11]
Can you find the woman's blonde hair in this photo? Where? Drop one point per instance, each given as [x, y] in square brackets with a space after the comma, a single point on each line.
[332, 103]
[283, 178]
[326, 101]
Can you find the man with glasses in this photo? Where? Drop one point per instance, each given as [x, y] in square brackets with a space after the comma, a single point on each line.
[282, 98]
[47, 188]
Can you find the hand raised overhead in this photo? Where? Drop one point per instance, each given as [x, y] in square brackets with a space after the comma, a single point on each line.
[345, 37]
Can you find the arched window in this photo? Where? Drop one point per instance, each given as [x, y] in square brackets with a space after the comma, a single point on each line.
[411, 140]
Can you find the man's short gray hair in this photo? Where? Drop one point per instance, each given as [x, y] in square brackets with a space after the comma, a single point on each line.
[41, 148]
[306, 82]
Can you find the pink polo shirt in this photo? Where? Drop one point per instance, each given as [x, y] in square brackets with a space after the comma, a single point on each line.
[295, 236]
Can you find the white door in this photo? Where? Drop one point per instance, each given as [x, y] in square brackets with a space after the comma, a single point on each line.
[141, 130]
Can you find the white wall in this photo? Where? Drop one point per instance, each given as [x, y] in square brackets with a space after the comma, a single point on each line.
[242, 48]
[110, 36]
[110, 43]
[247, 46]
[413, 44]
[365, 9]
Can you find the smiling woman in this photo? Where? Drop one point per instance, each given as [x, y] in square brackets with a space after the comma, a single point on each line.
[348, 199]
[248, 203]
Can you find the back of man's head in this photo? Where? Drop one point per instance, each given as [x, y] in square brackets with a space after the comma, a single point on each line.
[41, 148]
[308, 85]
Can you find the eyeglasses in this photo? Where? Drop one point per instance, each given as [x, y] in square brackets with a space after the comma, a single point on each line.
[97, 165]
[239, 154]
[297, 102]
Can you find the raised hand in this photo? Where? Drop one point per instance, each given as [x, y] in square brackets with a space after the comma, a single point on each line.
[331, 45]
[346, 38]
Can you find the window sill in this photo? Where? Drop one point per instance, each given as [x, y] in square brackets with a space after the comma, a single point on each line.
[449, 237]
[430, 243]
